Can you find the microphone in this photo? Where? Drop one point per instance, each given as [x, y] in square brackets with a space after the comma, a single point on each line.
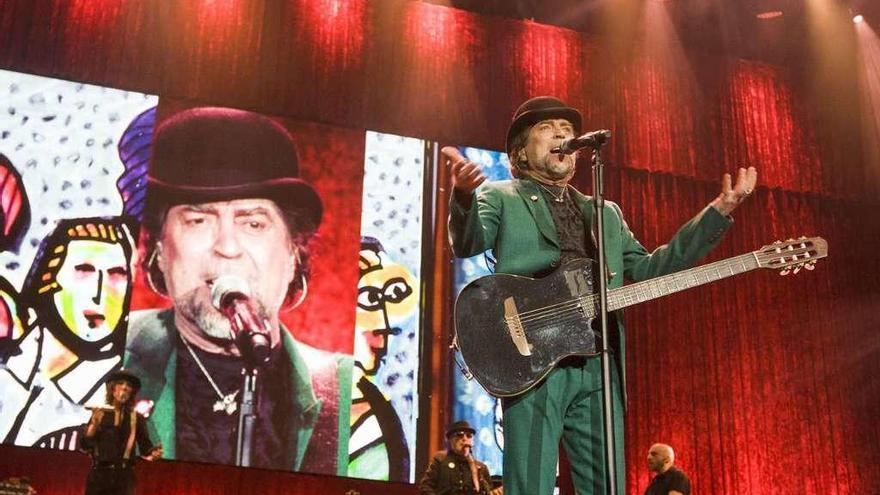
[231, 296]
[100, 408]
[593, 139]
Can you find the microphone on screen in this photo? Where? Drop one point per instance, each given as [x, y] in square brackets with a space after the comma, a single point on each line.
[231, 296]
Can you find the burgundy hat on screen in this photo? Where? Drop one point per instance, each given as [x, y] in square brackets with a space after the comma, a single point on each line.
[212, 154]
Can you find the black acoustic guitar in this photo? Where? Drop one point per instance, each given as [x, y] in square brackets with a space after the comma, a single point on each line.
[512, 330]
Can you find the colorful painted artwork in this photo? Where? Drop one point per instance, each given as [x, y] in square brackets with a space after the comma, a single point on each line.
[384, 412]
[68, 330]
[67, 240]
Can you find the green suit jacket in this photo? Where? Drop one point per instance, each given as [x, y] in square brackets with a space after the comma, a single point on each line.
[318, 429]
[513, 220]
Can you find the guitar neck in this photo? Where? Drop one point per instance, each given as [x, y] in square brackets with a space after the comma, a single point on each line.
[668, 284]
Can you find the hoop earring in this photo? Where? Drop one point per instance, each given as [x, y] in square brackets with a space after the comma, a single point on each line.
[302, 294]
[149, 275]
[304, 283]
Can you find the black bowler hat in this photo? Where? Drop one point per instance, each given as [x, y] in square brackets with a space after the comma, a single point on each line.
[125, 376]
[218, 154]
[459, 426]
[541, 108]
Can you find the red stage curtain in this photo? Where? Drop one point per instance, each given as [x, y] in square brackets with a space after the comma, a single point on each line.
[753, 377]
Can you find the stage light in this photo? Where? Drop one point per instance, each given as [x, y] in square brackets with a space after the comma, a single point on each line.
[858, 18]
[770, 14]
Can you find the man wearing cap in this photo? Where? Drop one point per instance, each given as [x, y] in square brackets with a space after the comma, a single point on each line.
[534, 224]
[455, 471]
[111, 436]
[224, 199]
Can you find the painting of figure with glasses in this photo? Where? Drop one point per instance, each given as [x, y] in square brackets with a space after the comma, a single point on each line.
[387, 300]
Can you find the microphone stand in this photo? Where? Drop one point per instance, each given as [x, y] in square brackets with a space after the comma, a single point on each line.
[247, 415]
[246, 327]
[247, 418]
[607, 404]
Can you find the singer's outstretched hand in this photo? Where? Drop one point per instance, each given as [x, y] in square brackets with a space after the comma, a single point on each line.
[466, 176]
[731, 197]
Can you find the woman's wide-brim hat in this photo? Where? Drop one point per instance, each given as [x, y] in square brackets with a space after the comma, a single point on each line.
[208, 154]
[541, 108]
[125, 376]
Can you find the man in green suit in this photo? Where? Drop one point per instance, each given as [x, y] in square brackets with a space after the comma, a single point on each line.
[535, 223]
[224, 199]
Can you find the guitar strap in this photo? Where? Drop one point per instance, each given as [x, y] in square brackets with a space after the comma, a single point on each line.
[129, 445]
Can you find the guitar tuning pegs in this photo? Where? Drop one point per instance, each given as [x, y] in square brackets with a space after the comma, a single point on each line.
[784, 272]
[797, 268]
[777, 242]
[811, 265]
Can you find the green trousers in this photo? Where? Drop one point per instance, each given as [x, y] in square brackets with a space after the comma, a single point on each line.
[567, 405]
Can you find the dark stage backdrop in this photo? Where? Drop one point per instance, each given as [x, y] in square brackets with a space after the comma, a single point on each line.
[763, 384]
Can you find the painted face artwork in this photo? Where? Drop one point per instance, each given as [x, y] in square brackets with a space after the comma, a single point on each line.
[386, 298]
[94, 280]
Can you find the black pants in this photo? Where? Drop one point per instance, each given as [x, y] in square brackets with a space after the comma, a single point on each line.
[110, 481]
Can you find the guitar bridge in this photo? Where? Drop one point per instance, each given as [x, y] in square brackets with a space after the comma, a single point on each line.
[515, 328]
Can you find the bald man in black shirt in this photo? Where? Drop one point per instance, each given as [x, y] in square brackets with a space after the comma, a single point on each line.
[669, 480]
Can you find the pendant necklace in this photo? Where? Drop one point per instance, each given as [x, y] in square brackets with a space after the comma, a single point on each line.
[225, 403]
[559, 198]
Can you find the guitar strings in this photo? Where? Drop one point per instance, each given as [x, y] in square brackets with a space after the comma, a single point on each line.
[592, 299]
[553, 310]
[538, 314]
[559, 319]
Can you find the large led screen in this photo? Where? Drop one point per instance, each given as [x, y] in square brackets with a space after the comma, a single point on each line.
[321, 228]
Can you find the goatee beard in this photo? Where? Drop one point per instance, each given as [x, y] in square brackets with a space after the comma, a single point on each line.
[208, 319]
